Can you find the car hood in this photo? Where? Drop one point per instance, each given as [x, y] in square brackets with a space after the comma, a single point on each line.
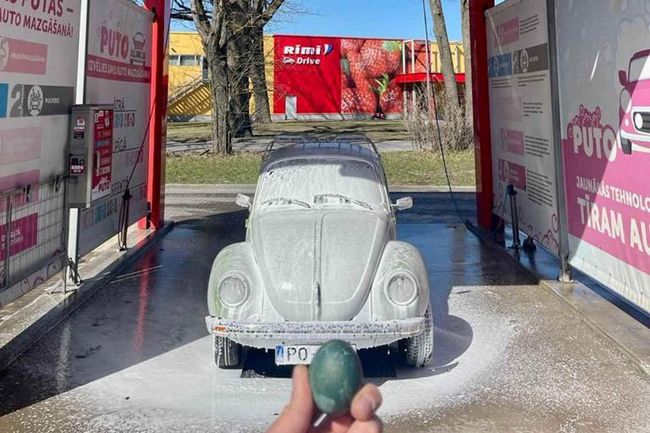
[318, 264]
[640, 93]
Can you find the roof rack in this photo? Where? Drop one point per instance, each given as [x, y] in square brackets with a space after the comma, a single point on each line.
[284, 141]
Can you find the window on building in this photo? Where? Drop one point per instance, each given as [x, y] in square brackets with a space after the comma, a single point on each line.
[174, 59]
[190, 60]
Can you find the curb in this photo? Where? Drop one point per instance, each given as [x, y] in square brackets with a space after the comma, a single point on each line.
[581, 308]
[26, 336]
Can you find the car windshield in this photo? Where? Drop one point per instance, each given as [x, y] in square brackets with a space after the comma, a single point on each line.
[318, 182]
[639, 69]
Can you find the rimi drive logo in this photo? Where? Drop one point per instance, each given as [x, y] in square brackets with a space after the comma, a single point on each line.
[305, 55]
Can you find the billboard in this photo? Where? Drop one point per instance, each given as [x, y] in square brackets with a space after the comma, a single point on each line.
[523, 151]
[327, 77]
[368, 70]
[604, 80]
[118, 73]
[38, 58]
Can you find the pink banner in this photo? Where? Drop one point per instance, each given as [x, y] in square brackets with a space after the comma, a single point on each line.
[512, 141]
[24, 235]
[513, 174]
[508, 32]
[21, 144]
[100, 67]
[22, 56]
[608, 194]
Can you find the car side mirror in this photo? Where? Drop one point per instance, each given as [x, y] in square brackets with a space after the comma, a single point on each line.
[243, 200]
[403, 203]
[622, 77]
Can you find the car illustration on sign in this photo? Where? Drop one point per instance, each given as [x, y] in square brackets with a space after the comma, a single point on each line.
[635, 104]
[320, 260]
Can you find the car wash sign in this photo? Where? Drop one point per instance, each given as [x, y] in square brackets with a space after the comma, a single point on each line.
[604, 70]
[118, 71]
[523, 150]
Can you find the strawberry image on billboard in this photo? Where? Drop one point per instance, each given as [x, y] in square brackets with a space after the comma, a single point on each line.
[333, 78]
[368, 70]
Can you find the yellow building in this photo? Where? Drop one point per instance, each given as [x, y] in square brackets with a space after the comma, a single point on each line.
[189, 91]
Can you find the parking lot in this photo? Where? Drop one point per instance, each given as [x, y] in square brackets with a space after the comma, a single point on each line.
[509, 355]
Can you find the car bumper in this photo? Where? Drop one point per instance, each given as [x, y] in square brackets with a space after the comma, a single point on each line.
[266, 335]
[637, 137]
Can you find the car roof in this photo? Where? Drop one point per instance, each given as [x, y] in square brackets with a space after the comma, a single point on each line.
[640, 54]
[341, 146]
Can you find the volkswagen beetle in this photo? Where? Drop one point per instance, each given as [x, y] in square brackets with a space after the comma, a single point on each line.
[320, 261]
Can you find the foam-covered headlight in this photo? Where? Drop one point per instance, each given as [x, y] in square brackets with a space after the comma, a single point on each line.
[233, 290]
[401, 289]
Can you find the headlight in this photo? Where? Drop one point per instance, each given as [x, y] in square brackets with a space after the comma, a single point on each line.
[638, 121]
[626, 101]
[233, 290]
[401, 289]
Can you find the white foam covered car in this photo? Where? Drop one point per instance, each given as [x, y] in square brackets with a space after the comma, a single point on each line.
[320, 261]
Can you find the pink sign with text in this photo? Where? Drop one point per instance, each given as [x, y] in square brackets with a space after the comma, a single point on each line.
[23, 57]
[24, 235]
[512, 141]
[608, 193]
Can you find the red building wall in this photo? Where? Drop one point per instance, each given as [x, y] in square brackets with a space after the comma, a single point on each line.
[337, 77]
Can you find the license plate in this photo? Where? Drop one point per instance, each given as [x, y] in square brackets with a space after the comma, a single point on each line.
[295, 354]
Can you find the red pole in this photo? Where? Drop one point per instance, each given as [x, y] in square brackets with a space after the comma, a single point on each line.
[482, 130]
[158, 127]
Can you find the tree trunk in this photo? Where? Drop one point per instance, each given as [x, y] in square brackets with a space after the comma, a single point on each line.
[258, 78]
[239, 66]
[221, 119]
[467, 48]
[446, 63]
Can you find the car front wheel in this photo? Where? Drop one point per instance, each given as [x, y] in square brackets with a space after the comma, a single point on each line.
[626, 145]
[418, 350]
[226, 352]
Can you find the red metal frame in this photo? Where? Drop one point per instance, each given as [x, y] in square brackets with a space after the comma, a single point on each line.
[481, 107]
[158, 127]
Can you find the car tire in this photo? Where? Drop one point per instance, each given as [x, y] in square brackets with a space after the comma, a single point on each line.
[226, 352]
[418, 350]
[626, 145]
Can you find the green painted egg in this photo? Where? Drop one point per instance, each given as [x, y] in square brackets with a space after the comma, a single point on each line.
[335, 376]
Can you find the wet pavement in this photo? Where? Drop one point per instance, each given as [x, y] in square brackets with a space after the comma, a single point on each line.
[509, 355]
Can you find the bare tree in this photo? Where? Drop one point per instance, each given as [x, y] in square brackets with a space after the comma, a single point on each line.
[440, 29]
[467, 48]
[226, 29]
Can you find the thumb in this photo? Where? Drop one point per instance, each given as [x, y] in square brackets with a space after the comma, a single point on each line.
[296, 417]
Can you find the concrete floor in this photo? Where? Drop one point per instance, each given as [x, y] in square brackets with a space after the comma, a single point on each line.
[509, 355]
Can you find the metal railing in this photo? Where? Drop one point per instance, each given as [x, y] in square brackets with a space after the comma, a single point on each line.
[32, 229]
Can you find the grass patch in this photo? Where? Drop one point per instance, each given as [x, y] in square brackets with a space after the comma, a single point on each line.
[377, 130]
[193, 168]
[402, 168]
[425, 168]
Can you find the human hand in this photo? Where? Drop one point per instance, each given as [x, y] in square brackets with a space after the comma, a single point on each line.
[298, 415]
